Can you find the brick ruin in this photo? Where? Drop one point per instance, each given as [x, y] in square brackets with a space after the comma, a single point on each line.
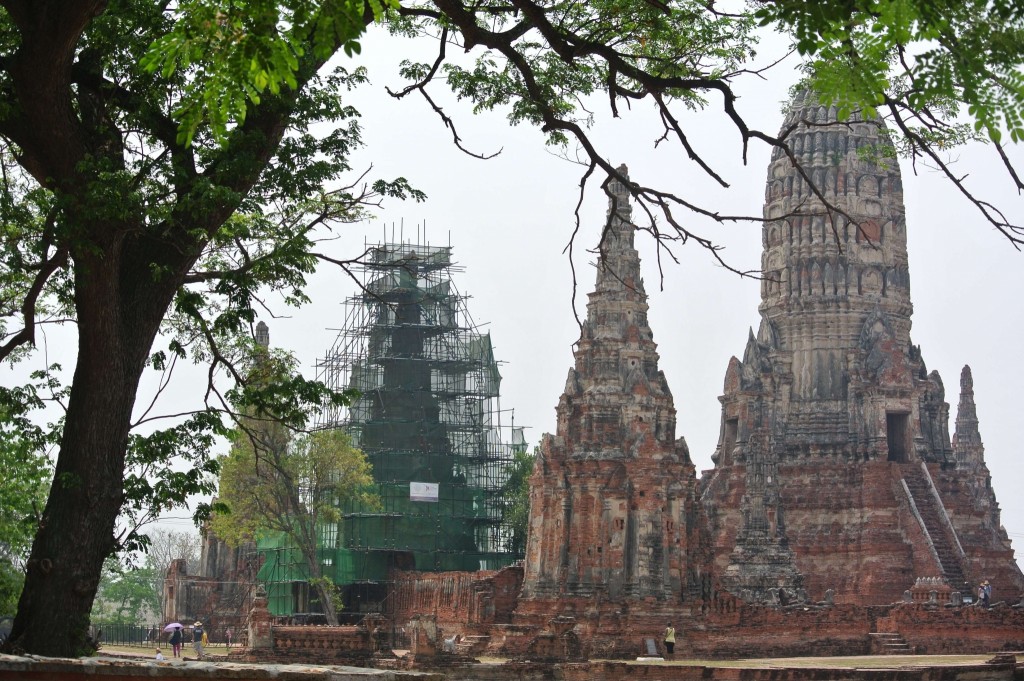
[220, 595]
[837, 499]
[839, 517]
[831, 395]
[612, 493]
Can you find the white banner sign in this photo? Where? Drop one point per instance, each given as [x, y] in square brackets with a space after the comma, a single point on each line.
[423, 491]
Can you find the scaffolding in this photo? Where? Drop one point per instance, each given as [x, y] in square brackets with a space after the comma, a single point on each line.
[428, 418]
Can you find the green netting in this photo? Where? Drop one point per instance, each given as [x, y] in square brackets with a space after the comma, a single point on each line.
[427, 413]
[282, 568]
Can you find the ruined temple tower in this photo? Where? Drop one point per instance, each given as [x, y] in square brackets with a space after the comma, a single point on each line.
[613, 493]
[834, 468]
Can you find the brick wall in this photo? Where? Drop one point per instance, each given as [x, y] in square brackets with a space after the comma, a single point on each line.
[463, 602]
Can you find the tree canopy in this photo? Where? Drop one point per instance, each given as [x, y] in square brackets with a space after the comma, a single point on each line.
[169, 168]
[272, 483]
[515, 511]
[26, 472]
[126, 595]
[940, 73]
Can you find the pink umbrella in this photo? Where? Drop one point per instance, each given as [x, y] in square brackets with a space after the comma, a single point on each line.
[172, 626]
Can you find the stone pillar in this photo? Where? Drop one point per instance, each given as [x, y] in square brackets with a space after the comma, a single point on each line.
[260, 636]
[426, 637]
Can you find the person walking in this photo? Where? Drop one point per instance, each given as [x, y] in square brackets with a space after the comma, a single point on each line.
[197, 638]
[176, 641]
[670, 640]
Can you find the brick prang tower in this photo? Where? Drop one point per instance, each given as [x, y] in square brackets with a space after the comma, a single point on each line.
[613, 494]
[834, 468]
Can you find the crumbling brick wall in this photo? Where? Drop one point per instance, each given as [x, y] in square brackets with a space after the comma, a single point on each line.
[463, 602]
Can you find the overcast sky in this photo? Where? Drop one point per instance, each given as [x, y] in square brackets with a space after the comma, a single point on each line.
[509, 220]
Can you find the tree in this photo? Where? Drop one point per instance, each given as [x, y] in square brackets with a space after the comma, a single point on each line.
[26, 471]
[273, 483]
[160, 175]
[126, 595]
[128, 222]
[515, 511]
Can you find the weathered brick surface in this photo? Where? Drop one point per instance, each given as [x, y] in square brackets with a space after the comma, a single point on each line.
[613, 492]
[462, 602]
[835, 469]
[944, 630]
[219, 595]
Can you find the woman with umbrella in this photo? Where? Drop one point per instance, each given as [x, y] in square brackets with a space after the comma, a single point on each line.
[176, 637]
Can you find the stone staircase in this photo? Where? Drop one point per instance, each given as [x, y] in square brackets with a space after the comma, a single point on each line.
[472, 645]
[889, 643]
[921, 492]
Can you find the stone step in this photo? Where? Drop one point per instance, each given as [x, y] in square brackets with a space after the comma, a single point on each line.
[920, 491]
[472, 645]
[890, 643]
[897, 649]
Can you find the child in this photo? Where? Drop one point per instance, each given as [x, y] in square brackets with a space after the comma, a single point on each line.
[159, 655]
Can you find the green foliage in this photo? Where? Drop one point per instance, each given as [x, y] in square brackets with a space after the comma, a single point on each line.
[618, 46]
[273, 483]
[515, 512]
[12, 579]
[928, 56]
[126, 595]
[26, 469]
[156, 481]
[242, 51]
[25, 477]
[324, 586]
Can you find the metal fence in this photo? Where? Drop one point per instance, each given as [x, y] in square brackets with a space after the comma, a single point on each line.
[153, 635]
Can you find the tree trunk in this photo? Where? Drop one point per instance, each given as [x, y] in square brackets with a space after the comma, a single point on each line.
[324, 587]
[76, 532]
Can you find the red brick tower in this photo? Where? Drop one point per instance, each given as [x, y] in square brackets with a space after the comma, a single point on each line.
[613, 493]
[834, 468]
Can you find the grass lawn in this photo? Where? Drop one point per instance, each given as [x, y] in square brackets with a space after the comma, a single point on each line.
[149, 651]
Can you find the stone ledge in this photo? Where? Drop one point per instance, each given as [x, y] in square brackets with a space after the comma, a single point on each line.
[999, 668]
[30, 668]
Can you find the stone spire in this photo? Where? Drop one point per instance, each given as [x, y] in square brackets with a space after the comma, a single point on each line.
[967, 446]
[832, 426]
[843, 269]
[612, 488]
[616, 369]
[618, 267]
[262, 335]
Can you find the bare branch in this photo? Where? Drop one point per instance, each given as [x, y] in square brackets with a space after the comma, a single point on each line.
[421, 86]
[27, 334]
[1013, 233]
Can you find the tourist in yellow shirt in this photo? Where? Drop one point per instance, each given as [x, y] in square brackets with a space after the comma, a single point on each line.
[670, 640]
